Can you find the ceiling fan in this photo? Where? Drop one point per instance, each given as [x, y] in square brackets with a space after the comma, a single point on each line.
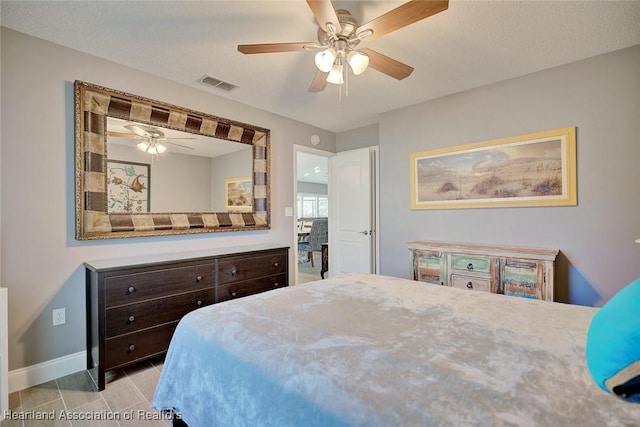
[152, 138]
[339, 34]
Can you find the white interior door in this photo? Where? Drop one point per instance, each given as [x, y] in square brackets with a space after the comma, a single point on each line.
[352, 223]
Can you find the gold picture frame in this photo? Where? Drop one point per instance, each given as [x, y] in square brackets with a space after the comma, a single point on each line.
[536, 169]
[128, 187]
[238, 194]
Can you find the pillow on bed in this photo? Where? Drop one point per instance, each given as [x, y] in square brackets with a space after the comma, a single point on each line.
[613, 344]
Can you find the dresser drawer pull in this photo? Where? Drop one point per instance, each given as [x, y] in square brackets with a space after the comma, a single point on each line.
[131, 347]
[199, 302]
[198, 279]
[131, 319]
[130, 290]
[233, 272]
[275, 285]
[470, 266]
[276, 265]
[469, 285]
[233, 294]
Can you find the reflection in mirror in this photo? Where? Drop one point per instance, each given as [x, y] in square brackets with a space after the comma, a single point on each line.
[156, 169]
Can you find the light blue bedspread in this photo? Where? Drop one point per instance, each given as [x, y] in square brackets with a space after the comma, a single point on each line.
[367, 350]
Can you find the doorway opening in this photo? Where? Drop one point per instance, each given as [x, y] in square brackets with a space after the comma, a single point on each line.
[311, 195]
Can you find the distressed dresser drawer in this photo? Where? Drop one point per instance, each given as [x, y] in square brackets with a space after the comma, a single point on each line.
[136, 287]
[428, 266]
[520, 278]
[133, 317]
[476, 283]
[236, 269]
[473, 264]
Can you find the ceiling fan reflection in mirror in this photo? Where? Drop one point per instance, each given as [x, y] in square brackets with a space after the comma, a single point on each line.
[339, 35]
[151, 139]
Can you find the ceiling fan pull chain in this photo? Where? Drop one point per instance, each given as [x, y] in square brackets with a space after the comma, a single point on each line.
[346, 80]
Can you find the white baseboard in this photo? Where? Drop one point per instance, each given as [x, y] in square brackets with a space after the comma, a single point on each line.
[29, 376]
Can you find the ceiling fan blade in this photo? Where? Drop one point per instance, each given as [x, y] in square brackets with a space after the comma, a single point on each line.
[180, 145]
[124, 135]
[145, 131]
[401, 16]
[319, 82]
[386, 65]
[325, 13]
[275, 47]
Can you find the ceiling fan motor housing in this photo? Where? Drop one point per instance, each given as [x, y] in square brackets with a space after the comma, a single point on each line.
[348, 26]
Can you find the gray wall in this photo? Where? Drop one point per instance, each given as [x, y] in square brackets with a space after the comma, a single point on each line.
[364, 137]
[601, 96]
[312, 187]
[41, 261]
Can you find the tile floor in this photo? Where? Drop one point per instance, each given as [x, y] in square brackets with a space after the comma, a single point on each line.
[306, 273]
[70, 401]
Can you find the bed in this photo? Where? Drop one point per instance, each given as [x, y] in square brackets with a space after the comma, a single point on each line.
[371, 350]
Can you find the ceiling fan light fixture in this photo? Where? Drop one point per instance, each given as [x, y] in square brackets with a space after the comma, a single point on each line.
[325, 59]
[152, 147]
[358, 61]
[143, 146]
[335, 75]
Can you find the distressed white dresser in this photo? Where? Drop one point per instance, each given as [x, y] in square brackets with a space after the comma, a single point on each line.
[510, 270]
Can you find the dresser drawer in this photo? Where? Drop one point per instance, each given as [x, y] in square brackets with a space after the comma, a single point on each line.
[428, 267]
[476, 283]
[156, 283]
[130, 318]
[471, 263]
[521, 278]
[236, 269]
[250, 287]
[140, 345]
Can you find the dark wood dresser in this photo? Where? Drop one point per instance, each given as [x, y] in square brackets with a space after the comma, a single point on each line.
[134, 305]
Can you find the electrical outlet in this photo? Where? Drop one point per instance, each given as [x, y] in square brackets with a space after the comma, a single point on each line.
[59, 317]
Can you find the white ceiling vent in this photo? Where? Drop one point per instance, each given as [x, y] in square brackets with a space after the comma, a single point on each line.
[217, 83]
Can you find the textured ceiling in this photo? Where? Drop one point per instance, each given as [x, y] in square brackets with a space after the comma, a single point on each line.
[471, 44]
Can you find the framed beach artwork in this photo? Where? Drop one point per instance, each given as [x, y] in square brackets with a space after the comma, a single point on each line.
[238, 194]
[537, 169]
[128, 187]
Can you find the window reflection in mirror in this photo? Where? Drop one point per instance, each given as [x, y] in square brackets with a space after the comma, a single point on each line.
[186, 172]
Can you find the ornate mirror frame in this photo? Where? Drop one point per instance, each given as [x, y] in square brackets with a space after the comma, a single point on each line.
[93, 104]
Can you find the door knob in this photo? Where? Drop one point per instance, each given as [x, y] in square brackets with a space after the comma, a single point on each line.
[365, 232]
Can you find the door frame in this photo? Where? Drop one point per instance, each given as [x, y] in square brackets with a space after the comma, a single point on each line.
[296, 149]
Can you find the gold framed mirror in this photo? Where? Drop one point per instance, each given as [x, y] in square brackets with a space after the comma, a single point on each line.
[107, 120]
